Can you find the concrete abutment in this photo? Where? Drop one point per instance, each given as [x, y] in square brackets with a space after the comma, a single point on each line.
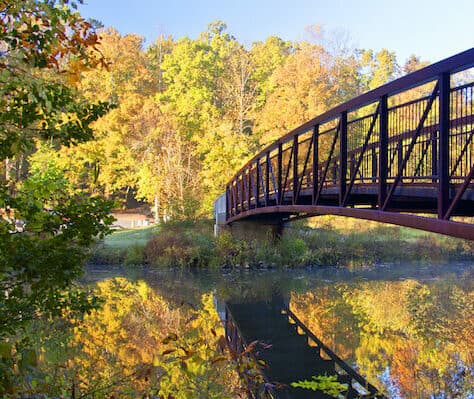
[255, 228]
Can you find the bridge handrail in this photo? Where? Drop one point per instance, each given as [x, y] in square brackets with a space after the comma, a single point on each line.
[454, 64]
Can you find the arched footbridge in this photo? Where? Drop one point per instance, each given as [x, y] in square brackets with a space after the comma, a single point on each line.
[402, 153]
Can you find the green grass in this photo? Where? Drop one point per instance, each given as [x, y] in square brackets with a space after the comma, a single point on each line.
[122, 239]
[122, 246]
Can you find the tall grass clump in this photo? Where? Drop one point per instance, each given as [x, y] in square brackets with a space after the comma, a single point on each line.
[181, 244]
[135, 255]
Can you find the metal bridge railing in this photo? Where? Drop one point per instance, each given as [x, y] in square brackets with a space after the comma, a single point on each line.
[414, 131]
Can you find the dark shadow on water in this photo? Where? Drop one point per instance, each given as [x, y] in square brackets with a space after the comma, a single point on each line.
[289, 354]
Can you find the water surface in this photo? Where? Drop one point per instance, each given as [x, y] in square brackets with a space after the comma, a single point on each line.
[409, 329]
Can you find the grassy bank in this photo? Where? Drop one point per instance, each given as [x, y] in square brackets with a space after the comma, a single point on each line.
[123, 246]
[323, 241]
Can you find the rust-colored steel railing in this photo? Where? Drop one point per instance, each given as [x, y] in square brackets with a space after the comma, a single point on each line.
[406, 147]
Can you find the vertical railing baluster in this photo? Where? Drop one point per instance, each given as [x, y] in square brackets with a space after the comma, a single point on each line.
[236, 194]
[342, 157]
[267, 178]
[249, 186]
[227, 199]
[233, 201]
[242, 192]
[315, 168]
[374, 165]
[383, 151]
[257, 183]
[352, 167]
[400, 158]
[279, 174]
[295, 168]
[443, 156]
[434, 155]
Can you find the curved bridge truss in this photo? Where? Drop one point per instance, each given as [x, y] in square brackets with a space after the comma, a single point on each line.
[395, 154]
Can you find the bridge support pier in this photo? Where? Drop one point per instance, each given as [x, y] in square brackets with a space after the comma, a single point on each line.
[220, 215]
[257, 229]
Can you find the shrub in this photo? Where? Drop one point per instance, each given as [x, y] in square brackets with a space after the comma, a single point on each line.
[178, 245]
[135, 255]
[203, 249]
[229, 251]
[266, 253]
[168, 249]
[293, 251]
[102, 255]
[192, 244]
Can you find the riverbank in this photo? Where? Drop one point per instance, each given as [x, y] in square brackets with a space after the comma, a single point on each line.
[323, 241]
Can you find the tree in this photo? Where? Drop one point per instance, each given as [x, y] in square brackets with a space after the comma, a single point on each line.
[107, 164]
[167, 174]
[413, 63]
[309, 82]
[266, 57]
[45, 46]
[381, 67]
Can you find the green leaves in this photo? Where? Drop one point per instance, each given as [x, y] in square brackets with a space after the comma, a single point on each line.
[45, 46]
[326, 384]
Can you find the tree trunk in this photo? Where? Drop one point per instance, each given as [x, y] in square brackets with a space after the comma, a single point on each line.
[156, 210]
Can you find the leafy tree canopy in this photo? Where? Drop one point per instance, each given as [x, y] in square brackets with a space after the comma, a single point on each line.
[45, 228]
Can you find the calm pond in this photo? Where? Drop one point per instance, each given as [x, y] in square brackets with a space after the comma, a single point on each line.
[408, 329]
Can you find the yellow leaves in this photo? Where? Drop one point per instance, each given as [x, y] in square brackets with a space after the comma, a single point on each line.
[416, 330]
[156, 361]
[136, 341]
[170, 338]
[118, 324]
[74, 71]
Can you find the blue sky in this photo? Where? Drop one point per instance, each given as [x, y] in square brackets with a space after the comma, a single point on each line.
[432, 29]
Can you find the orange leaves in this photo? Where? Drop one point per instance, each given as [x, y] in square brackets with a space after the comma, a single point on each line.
[46, 36]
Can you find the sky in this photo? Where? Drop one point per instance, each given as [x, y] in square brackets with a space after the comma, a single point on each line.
[433, 29]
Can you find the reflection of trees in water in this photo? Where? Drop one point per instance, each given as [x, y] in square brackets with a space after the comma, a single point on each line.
[137, 344]
[329, 317]
[120, 342]
[418, 335]
[423, 334]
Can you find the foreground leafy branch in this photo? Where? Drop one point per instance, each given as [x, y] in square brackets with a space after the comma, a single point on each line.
[45, 225]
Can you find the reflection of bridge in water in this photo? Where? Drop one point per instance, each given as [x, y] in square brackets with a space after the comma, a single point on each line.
[404, 148]
[290, 351]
